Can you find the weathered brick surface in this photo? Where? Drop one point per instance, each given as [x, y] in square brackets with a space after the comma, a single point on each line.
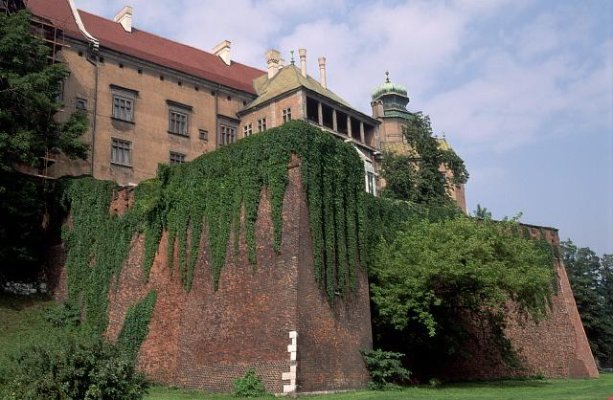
[330, 336]
[206, 338]
[554, 347]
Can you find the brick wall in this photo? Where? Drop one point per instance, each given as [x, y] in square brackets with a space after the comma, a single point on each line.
[555, 347]
[206, 338]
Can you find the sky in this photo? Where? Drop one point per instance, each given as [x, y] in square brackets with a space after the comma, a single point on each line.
[521, 89]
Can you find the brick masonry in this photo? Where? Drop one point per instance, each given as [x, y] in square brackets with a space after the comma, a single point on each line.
[555, 347]
[206, 338]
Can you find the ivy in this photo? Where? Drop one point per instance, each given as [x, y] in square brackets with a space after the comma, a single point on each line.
[218, 195]
[136, 325]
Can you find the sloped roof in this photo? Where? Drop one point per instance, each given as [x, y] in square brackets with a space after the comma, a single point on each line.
[57, 12]
[287, 79]
[149, 47]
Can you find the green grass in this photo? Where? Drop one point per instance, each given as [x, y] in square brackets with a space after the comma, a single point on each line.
[22, 323]
[553, 389]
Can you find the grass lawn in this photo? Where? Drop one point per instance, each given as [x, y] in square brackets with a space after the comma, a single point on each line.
[22, 323]
[555, 389]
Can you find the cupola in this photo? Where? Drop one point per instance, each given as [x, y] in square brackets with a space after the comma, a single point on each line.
[391, 95]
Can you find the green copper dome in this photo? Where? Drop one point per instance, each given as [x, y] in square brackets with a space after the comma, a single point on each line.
[388, 87]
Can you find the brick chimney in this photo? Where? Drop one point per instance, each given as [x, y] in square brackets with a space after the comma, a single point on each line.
[322, 71]
[303, 65]
[222, 50]
[273, 59]
[124, 17]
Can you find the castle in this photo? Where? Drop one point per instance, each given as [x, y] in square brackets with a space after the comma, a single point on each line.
[151, 100]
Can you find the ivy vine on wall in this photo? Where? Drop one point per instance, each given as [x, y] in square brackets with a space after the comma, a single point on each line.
[209, 195]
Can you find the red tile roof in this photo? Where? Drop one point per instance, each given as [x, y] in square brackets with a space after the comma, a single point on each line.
[58, 12]
[149, 47]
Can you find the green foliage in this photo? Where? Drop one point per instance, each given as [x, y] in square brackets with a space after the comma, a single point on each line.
[210, 194]
[438, 280]
[78, 370]
[473, 265]
[482, 212]
[385, 368]
[29, 87]
[136, 325]
[591, 279]
[63, 315]
[97, 246]
[21, 234]
[249, 385]
[417, 177]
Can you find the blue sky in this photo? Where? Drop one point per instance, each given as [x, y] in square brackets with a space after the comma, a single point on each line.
[522, 89]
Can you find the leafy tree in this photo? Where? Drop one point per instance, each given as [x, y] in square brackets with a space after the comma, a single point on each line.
[438, 280]
[482, 212]
[591, 280]
[417, 176]
[29, 89]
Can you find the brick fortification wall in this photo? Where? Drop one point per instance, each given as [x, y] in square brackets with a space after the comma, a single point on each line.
[555, 347]
[206, 338]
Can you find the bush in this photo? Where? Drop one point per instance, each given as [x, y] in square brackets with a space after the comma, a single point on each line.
[249, 385]
[76, 370]
[385, 368]
[64, 315]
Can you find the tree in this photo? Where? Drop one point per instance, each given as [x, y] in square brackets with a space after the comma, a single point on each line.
[438, 280]
[417, 176]
[29, 90]
[591, 280]
[482, 212]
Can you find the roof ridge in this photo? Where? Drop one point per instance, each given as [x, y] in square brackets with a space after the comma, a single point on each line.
[167, 39]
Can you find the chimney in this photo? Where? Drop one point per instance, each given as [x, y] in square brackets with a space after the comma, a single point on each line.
[322, 71]
[303, 69]
[273, 57]
[223, 51]
[124, 17]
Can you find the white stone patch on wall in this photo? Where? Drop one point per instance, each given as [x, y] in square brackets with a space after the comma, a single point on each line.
[290, 376]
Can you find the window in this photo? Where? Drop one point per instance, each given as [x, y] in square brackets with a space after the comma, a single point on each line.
[123, 103]
[286, 114]
[59, 97]
[247, 130]
[81, 104]
[177, 158]
[203, 134]
[177, 123]
[178, 118]
[121, 152]
[261, 125]
[227, 134]
[370, 178]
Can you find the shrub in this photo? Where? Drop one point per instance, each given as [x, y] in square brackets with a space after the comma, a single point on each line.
[249, 385]
[385, 368]
[76, 370]
[64, 315]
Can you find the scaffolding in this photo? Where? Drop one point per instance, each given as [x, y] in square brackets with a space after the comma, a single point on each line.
[11, 6]
[52, 35]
